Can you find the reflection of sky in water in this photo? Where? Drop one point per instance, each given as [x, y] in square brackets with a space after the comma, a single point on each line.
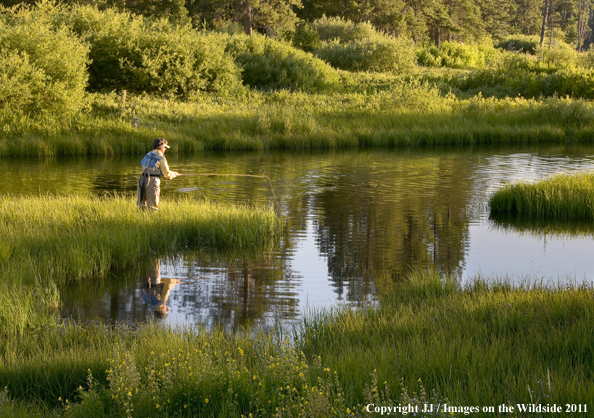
[494, 252]
[358, 218]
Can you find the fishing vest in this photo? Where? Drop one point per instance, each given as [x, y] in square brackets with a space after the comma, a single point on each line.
[150, 163]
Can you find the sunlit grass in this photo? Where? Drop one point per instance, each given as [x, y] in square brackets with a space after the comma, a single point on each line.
[559, 196]
[485, 343]
[374, 112]
[430, 341]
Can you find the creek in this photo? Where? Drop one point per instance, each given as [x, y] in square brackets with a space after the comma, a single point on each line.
[358, 220]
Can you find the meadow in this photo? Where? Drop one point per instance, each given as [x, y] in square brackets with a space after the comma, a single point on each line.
[398, 115]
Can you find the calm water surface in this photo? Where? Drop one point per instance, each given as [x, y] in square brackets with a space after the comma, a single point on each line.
[358, 219]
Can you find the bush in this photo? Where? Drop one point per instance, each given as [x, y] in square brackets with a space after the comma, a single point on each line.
[271, 64]
[524, 76]
[35, 77]
[519, 43]
[151, 56]
[558, 56]
[376, 54]
[456, 55]
[330, 28]
[306, 38]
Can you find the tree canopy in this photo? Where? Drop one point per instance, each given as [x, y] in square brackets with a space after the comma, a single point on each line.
[423, 21]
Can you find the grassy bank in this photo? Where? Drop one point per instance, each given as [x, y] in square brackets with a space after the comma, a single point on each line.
[49, 241]
[430, 341]
[370, 111]
[560, 196]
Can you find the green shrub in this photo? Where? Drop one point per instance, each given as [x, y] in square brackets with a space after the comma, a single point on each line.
[330, 28]
[587, 60]
[519, 43]
[35, 77]
[527, 76]
[151, 56]
[457, 55]
[271, 64]
[306, 38]
[377, 54]
[560, 55]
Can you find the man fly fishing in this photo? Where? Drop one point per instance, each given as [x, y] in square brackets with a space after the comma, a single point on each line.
[154, 166]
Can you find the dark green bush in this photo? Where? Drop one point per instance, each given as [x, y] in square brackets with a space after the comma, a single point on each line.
[271, 64]
[376, 54]
[151, 56]
[557, 56]
[42, 67]
[306, 38]
[519, 43]
[523, 78]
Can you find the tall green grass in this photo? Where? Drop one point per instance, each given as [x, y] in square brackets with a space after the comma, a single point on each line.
[373, 110]
[49, 241]
[486, 343]
[430, 341]
[559, 196]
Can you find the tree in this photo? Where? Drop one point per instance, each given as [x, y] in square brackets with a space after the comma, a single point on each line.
[526, 19]
[437, 18]
[174, 10]
[497, 17]
[545, 16]
[273, 17]
[466, 16]
[583, 12]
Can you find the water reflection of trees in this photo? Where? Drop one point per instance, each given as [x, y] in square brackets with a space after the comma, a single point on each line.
[213, 289]
[376, 214]
[389, 217]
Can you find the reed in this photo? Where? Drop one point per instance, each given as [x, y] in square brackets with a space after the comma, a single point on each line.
[559, 196]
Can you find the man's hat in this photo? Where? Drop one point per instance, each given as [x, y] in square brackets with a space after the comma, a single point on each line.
[160, 142]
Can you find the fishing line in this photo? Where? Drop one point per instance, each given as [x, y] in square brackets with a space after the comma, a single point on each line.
[277, 206]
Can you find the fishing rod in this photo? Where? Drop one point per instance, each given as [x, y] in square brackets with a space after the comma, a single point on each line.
[236, 175]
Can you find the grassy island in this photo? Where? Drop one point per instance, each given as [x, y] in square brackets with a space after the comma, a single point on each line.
[559, 196]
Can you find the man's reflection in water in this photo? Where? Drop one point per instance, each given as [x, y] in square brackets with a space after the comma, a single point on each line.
[157, 290]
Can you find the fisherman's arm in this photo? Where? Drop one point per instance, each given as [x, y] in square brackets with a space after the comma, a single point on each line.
[166, 171]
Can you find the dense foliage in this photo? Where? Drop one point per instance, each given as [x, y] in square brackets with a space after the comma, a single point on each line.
[457, 55]
[111, 50]
[34, 77]
[131, 53]
[378, 54]
[268, 63]
[360, 47]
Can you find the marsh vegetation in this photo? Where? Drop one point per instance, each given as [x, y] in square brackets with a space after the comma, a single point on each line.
[333, 84]
[560, 196]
